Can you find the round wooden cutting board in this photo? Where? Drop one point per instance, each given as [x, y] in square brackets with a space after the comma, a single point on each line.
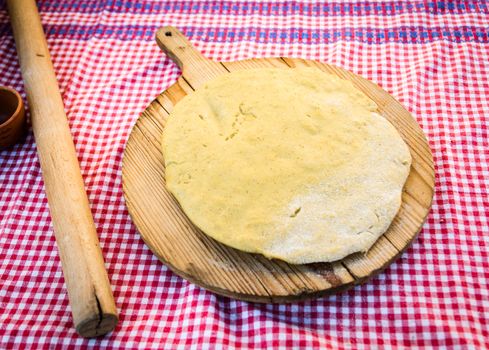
[224, 270]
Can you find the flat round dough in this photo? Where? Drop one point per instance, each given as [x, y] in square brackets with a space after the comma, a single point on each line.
[295, 164]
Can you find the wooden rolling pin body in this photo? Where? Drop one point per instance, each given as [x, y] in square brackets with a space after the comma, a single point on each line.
[91, 300]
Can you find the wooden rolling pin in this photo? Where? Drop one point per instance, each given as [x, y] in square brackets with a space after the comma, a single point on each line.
[91, 300]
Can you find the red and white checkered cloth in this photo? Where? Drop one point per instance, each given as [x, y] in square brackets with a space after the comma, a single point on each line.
[433, 56]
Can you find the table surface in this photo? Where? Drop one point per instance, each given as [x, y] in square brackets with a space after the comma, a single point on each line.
[433, 56]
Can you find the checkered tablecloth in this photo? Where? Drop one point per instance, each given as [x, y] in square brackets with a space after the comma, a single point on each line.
[433, 56]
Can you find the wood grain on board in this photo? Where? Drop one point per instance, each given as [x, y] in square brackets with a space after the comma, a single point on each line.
[200, 259]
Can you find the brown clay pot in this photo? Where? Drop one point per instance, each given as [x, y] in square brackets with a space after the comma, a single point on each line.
[12, 117]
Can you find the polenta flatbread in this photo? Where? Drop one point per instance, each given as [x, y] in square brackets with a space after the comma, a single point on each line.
[295, 164]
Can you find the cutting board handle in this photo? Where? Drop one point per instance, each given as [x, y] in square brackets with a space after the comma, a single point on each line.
[192, 63]
[177, 47]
